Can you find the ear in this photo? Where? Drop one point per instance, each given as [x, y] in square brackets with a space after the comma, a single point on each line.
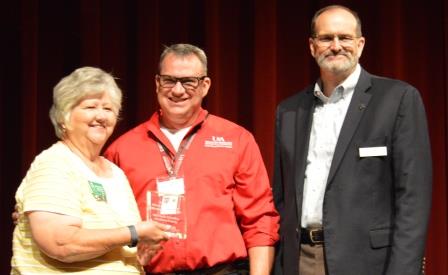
[157, 84]
[312, 48]
[360, 45]
[206, 83]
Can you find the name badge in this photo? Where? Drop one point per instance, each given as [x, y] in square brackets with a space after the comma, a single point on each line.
[171, 186]
[378, 151]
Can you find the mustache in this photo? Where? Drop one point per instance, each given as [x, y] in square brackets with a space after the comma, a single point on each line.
[331, 53]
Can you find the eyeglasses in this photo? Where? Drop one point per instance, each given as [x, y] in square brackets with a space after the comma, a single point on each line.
[189, 83]
[325, 40]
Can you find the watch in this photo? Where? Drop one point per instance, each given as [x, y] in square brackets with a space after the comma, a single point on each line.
[134, 236]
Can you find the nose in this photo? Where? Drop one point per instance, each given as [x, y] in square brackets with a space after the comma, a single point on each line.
[335, 44]
[100, 114]
[178, 88]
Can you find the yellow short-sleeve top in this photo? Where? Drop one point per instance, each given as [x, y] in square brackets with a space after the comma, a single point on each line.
[59, 182]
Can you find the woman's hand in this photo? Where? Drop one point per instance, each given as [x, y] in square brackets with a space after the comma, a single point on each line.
[152, 235]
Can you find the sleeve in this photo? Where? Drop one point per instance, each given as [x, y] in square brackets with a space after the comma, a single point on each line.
[51, 186]
[412, 183]
[253, 200]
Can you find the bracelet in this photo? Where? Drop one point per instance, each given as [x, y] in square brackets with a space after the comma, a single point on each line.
[134, 236]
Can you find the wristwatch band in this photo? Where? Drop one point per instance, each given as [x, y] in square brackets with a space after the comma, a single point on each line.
[134, 236]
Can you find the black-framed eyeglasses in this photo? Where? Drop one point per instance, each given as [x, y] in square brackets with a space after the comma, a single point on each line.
[189, 83]
[325, 40]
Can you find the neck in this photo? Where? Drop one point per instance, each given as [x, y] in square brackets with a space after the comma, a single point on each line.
[87, 153]
[91, 157]
[331, 80]
[177, 123]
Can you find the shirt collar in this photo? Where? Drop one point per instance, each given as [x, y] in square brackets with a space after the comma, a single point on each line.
[342, 90]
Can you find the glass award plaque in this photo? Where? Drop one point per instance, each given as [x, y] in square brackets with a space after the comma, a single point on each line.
[168, 209]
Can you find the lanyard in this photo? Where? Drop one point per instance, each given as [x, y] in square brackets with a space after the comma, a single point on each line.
[172, 164]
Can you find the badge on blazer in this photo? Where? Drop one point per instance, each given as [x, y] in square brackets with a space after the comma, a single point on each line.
[379, 151]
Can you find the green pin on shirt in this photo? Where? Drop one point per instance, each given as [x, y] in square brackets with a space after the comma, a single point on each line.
[98, 191]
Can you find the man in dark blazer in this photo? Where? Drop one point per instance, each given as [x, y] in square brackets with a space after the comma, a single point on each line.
[352, 177]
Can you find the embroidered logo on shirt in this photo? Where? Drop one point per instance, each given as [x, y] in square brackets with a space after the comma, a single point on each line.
[218, 142]
[98, 191]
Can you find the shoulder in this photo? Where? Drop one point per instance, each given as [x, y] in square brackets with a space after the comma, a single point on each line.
[388, 94]
[219, 129]
[292, 102]
[57, 156]
[54, 173]
[221, 125]
[135, 133]
[391, 82]
[133, 136]
[388, 86]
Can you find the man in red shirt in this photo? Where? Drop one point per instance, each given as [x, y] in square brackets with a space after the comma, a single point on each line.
[213, 164]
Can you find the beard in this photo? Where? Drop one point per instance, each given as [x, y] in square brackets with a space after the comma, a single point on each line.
[337, 66]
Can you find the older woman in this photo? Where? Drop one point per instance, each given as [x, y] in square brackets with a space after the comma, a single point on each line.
[77, 211]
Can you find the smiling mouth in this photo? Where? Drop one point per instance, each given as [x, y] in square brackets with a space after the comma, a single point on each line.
[98, 126]
[338, 55]
[178, 100]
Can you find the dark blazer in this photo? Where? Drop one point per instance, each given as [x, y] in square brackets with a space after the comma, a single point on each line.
[376, 209]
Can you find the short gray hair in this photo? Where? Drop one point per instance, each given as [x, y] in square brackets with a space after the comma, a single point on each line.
[184, 50]
[70, 90]
[332, 7]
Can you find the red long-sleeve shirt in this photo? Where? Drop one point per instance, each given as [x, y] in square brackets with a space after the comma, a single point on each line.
[229, 202]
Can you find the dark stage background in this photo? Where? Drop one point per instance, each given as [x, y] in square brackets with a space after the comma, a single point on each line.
[258, 55]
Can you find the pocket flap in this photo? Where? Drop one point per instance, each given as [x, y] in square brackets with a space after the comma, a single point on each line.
[380, 237]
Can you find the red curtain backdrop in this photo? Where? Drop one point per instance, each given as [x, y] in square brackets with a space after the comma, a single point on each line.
[258, 55]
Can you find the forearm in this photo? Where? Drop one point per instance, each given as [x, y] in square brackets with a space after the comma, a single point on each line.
[261, 259]
[63, 238]
[78, 244]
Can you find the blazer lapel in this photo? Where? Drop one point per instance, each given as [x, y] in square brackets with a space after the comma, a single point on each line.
[356, 109]
[304, 119]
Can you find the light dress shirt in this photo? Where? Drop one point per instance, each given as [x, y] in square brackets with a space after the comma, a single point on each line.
[328, 116]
